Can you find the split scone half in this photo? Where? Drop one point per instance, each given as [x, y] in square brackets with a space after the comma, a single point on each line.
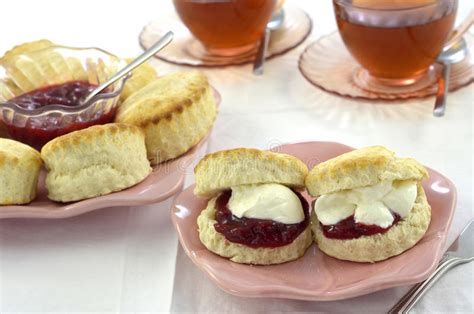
[176, 111]
[370, 206]
[19, 170]
[255, 214]
[95, 161]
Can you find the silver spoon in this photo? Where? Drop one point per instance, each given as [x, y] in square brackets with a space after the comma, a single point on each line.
[160, 44]
[276, 21]
[454, 54]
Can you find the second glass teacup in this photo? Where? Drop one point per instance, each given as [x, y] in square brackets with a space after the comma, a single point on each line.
[395, 42]
[226, 27]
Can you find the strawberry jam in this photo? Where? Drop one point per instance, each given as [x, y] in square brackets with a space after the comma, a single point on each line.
[256, 232]
[69, 94]
[349, 229]
[40, 130]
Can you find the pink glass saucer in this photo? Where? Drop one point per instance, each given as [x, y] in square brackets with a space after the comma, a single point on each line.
[165, 180]
[186, 50]
[317, 276]
[328, 65]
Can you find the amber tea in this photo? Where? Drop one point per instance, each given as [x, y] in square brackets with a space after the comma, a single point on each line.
[395, 39]
[226, 27]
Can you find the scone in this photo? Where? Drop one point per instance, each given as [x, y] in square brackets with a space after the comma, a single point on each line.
[19, 170]
[370, 206]
[15, 77]
[255, 215]
[175, 111]
[95, 161]
[26, 47]
[141, 76]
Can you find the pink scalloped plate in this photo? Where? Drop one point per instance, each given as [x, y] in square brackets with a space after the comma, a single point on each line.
[317, 276]
[165, 180]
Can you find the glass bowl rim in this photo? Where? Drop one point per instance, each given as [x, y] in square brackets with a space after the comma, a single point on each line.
[421, 6]
[46, 110]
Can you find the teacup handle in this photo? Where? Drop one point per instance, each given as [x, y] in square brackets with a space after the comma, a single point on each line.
[460, 30]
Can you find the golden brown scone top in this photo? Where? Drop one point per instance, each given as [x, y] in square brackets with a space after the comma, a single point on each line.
[87, 135]
[163, 96]
[221, 170]
[15, 151]
[362, 167]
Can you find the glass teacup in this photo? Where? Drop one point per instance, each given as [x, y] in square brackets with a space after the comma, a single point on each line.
[396, 42]
[226, 27]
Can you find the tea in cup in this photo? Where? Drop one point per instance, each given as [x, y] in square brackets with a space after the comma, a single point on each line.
[226, 27]
[395, 41]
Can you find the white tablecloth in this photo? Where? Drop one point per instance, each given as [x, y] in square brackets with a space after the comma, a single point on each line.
[127, 259]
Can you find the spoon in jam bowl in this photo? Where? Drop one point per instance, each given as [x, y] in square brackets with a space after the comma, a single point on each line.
[147, 54]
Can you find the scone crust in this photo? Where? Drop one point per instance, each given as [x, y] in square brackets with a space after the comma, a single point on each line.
[217, 243]
[223, 169]
[19, 170]
[141, 76]
[95, 161]
[175, 111]
[362, 167]
[378, 247]
[87, 136]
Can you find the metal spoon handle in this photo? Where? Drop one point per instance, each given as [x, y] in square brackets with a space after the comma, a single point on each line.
[262, 50]
[160, 44]
[442, 93]
[409, 300]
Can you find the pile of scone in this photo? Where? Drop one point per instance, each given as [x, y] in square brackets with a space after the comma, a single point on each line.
[159, 118]
[370, 205]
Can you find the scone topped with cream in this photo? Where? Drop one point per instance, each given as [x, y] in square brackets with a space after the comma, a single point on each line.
[370, 205]
[255, 214]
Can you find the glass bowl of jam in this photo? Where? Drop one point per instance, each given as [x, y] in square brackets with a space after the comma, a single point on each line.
[42, 92]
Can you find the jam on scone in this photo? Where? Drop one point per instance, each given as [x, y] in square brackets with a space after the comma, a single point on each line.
[255, 214]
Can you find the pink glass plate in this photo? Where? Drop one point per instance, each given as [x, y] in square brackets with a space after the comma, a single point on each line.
[317, 276]
[165, 180]
[328, 65]
[186, 50]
